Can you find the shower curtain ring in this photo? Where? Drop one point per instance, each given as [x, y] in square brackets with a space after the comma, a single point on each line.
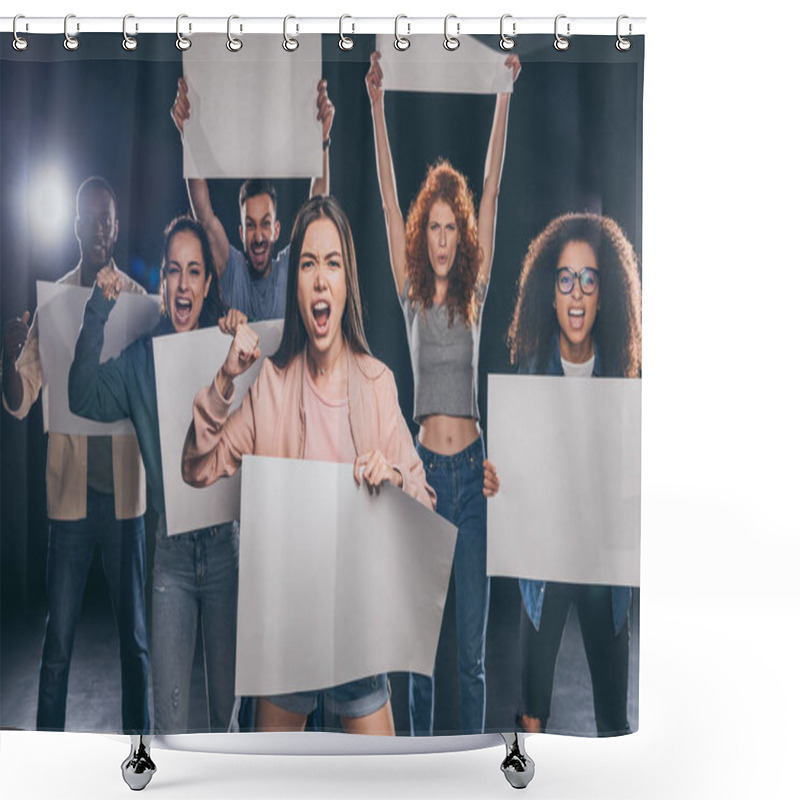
[401, 42]
[622, 44]
[290, 44]
[451, 42]
[129, 42]
[70, 42]
[561, 43]
[345, 42]
[233, 44]
[182, 42]
[507, 42]
[20, 43]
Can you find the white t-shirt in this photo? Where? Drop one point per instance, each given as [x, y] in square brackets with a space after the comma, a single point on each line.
[578, 370]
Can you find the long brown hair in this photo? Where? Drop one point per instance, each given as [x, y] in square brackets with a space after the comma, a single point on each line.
[618, 327]
[213, 307]
[295, 336]
[445, 183]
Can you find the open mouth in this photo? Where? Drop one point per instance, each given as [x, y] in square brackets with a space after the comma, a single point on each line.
[321, 312]
[576, 316]
[183, 311]
[258, 250]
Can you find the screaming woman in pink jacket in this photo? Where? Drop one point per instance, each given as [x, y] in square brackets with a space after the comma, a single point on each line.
[271, 422]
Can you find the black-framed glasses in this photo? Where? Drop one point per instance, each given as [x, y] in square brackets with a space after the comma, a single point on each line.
[588, 277]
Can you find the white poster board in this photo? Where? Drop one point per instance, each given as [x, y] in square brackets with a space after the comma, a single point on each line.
[184, 364]
[60, 316]
[568, 455]
[426, 66]
[253, 113]
[335, 584]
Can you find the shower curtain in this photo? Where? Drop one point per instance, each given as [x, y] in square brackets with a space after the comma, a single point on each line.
[321, 385]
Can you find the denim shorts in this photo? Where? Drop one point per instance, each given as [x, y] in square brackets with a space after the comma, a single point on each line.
[354, 699]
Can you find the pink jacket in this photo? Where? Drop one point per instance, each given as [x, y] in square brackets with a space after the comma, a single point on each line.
[271, 422]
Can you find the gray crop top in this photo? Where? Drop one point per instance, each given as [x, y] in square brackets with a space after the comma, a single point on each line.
[444, 359]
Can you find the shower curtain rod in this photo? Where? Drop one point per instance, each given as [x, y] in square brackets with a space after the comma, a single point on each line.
[406, 25]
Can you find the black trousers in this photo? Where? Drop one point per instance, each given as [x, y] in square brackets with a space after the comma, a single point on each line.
[606, 652]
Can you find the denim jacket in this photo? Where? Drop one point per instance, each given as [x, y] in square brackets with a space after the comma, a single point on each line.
[120, 388]
[533, 591]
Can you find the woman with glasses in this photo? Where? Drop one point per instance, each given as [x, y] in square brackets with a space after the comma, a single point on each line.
[578, 313]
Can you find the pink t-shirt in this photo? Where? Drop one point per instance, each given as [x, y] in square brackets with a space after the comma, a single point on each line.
[328, 435]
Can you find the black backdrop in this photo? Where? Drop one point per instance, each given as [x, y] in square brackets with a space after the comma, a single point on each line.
[574, 143]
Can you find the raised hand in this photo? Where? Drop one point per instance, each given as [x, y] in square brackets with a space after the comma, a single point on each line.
[110, 283]
[376, 471]
[325, 109]
[180, 108]
[15, 332]
[231, 321]
[513, 63]
[243, 353]
[374, 78]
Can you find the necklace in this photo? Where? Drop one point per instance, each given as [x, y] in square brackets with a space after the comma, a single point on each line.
[323, 370]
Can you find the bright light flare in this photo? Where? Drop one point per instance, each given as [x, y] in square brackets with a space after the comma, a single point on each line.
[50, 205]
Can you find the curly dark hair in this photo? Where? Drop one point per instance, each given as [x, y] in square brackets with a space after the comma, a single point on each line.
[618, 327]
[443, 182]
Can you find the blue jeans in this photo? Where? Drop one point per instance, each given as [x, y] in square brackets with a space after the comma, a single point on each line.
[70, 549]
[195, 579]
[458, 481]
[353, 699]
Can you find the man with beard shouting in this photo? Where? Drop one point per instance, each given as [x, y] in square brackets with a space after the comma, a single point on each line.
[254, 280]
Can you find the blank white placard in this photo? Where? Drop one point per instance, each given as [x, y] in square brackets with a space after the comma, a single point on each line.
[60, 313]
[426, 66]
[568, 455]
[253, 113]
[184, 364]
[335, 584]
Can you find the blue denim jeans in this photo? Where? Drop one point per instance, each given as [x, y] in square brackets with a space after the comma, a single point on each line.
[195, 581]
[458, 481]
[353, 699]
[70, 549]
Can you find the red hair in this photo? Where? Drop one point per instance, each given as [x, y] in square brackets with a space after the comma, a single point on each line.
[445, 183]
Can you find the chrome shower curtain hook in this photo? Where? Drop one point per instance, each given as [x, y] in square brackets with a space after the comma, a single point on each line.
[20, 43]
[401, 42]
[561, 43]
[233, 44]
[182, 42]
[290, 44]
[345, 42]
[451, 42]
[70, 42]
[622, 44]
[128, 42]
[507, 42]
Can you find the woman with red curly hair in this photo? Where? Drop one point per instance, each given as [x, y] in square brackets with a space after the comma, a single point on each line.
[441, 258]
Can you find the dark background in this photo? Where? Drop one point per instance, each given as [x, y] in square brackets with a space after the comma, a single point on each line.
[574, 143]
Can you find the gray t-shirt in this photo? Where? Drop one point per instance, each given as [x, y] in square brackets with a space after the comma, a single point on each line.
[444, 359]
[259, 298]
